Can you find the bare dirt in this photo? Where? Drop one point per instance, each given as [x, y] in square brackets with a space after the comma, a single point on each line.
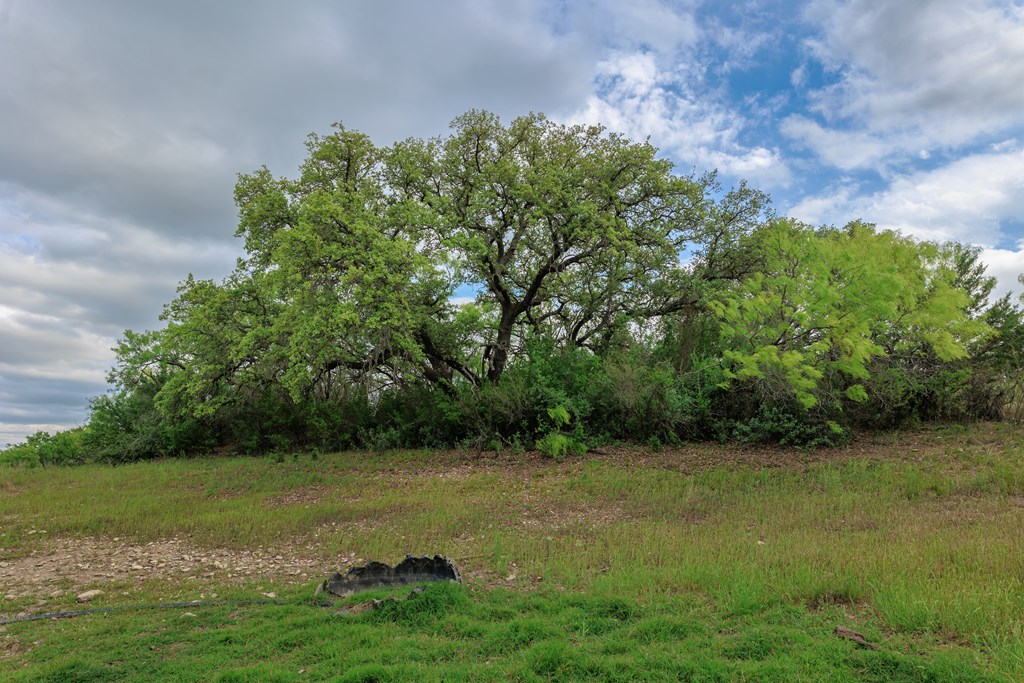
[63, 566]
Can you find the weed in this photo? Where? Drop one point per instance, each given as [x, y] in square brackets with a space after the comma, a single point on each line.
[683, 564]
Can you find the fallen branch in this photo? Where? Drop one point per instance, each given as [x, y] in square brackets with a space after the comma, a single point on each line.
[846, 633]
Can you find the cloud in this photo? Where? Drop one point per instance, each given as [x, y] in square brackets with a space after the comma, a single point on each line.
[923, 95]
[912, 76]
[124, 126]
[106, 104]
[967, 200]
[641, 99]
[971, 200]
[63, 304]
[38, 349]
[843, 149]
[46, 371]
[94, 271]
[664, 28]
[1006, 265]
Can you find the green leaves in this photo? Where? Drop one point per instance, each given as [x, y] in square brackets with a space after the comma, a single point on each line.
[828, 301]
[559, 416]
[571, 238]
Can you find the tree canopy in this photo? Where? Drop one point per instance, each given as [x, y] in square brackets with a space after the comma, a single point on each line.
[563, 231]
[451, 269]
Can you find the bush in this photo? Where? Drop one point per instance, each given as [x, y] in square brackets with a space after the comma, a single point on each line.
[517, 408]
[128, 426]
[788, 425]
[641, 398]
[558, 442]
[20, 454]
[43, 448]
[660, 386]
[414, 417]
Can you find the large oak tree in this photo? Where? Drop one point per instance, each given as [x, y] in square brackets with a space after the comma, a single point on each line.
[567, 231]
[570, 233]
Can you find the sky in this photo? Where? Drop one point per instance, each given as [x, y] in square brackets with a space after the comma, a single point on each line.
[123, 126]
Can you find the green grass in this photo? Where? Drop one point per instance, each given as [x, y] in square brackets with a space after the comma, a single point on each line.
[449, 633]
[705, 564]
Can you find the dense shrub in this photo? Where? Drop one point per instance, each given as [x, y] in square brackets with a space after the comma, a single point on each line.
[518, 408]
[127, 426]
[787, 425]
[43, 448]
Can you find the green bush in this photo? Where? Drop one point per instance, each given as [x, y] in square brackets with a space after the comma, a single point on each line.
[641, 398]
[787, 425]
[517, 408]
[415, 416]
[43, 448]
[661, 387]
[128, 426]
[20, 454]
[558, 442]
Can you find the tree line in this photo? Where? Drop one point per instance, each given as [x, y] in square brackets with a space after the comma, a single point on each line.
[605, 297]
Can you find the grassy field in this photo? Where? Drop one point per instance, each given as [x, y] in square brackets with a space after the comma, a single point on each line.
[705, 563]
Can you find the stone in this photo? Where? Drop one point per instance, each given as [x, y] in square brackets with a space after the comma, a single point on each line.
[89, 595]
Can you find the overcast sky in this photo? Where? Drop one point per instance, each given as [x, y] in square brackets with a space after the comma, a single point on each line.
[123, 125]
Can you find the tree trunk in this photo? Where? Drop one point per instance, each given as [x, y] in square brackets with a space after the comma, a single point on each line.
[498, 351]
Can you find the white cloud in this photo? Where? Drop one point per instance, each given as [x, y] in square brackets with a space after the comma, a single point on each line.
[638, 97]
[15, 432]
[965, 200]
[843, 149]
[912, 76]
[1005, 265]
[1005, 145]
[664, 27]
[798, 77]
[917, 82]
